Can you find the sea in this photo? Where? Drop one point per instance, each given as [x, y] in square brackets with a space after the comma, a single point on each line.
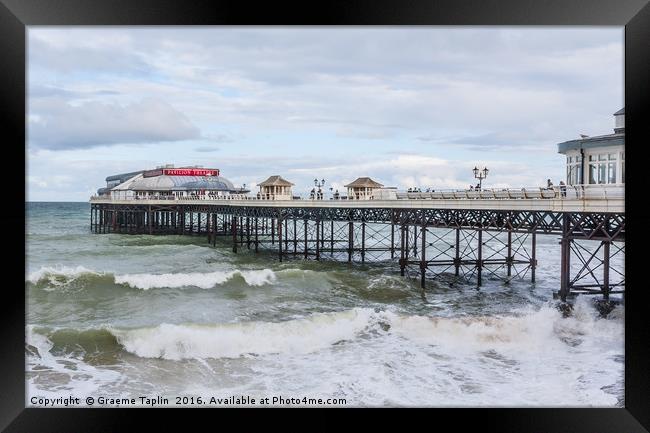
[150, 320]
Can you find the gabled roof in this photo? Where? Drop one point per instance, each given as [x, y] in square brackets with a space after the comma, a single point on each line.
[364, 182]
[621, 111]
[276, 180]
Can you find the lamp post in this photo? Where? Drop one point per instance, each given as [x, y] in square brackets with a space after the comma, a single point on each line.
[480, 175]
[317, 184]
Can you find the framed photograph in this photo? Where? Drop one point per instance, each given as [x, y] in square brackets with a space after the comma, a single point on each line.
[364, 207]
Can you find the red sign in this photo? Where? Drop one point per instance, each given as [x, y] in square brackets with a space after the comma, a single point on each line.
[190, 172]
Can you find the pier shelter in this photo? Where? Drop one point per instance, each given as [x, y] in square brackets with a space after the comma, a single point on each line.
[275, 188]
[599, 159]
[362, 188]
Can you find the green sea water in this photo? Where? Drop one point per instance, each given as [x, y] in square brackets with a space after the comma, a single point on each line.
[138, 315]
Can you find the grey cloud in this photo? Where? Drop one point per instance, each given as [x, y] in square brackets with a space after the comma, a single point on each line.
[75, 59]
[461, 78]
[44, 91]
[206, 149]
[59, 125]
[47, 91]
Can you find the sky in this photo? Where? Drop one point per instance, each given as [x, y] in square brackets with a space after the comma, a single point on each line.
[408, 106]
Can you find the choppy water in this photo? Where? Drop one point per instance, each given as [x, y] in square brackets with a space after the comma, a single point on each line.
[135, 315]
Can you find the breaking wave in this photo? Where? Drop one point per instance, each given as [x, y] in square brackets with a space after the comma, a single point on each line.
[202, 280]
[52, 278]
[526, 335]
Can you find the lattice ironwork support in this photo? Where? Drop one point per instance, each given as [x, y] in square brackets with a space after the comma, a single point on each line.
[350, 240]
[509, 255]
[479, 260]
[318, 239]
[257, 242]
[234, 235]
[457, 257]
[402, 260]
[565, 265]
[363, 242]
[423, 259]
[392, 234]
[280, 219]
[606, 245]
[533, 258]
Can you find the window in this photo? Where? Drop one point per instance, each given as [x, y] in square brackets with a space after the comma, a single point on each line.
[574, 170]
[602, 168]
[622, 167]
[611, 172]
[593, 173]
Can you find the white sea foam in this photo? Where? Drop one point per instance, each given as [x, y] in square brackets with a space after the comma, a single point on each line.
[205, 280]
[59, 275]
[536, 358]
[537, 332]
[531, 358]
[235, 339]
[54, 376]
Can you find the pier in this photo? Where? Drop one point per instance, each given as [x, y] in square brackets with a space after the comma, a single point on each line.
[468, 235]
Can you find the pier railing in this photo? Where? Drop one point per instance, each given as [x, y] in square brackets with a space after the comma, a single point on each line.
[568, 192]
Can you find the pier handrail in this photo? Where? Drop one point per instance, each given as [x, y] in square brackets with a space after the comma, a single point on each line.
[563, 192]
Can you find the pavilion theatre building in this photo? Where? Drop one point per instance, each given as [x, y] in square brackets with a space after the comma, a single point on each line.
[169, 182]
[599, 159]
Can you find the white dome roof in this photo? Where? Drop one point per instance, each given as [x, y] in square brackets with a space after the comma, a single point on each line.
[175, 183]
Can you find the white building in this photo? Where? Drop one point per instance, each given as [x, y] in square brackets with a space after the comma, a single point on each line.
[275, 188]
[169, 182]
[362, 188]
[599, 159]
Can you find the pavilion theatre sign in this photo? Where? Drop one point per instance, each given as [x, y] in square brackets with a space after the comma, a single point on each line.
[190, 172]
[182, 172]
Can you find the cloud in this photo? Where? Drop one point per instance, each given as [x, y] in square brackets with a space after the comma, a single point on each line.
[206, 149]
[59, 125]
[357, 98]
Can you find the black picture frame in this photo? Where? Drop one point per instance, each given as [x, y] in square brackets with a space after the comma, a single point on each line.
[15, 15]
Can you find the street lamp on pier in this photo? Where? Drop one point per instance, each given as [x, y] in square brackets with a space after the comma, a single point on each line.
[317, 184]
[480, 175]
